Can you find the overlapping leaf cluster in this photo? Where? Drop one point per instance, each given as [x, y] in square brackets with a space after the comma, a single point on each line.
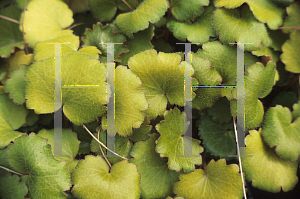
[149, 96]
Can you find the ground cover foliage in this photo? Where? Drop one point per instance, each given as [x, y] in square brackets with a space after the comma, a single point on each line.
[149, 98]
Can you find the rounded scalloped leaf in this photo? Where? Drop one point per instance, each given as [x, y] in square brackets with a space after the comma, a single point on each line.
[218, 176]
[44, 176]
[197, 32]
[9, 111]
[12, 188]
[123, 147]
[263, 10]
[46, 20]
[147, 11]
[102, 183]
[171, 142]
[16, 85]
[156, 178]
[70, 145]
[296, 110]
[105, 10]
[245, 29]
[105, 34]
[11, 36]
[281, 132]
[76, 69]
[142, 133]
[290, 56]
[218, 139]
[257, 86]
[187, 9]
[293, 18]
[162, 77]
[266, 170]
[129, 102]
[221, 106]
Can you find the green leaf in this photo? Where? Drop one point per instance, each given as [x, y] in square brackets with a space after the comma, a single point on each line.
[257, 86]
[44, 176]
[11, 188]
[77, 69]
[4, 163]
[268, 52]
[46, 20]
[105, 34]
[139, 43]
[187, 9]
[290, 53]
[266, 170]
[147, 11]
[296, 110]
[208, 184]
[11, 36]
[84, 137]
[9, 111]
[92, 179]
[123, 147]
[223, 106]
[278, 38]
[141, 134]
[232, 28]
[171, 142]
[293, 18]
[263, 10]
[156, 178]
[162, 77]
[281, 132]
[70, 145]
[286, 99]
[197, 32]
[78, 5]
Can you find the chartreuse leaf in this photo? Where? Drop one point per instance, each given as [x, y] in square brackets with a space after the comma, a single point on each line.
[157, 179]
[147, 11]
[296, 110]
[263, 10]
[70, 145]
[76, 69]
[266, 170]
[93, 179]
[218, 176]
[281, 132]
[129, 102]
[16, 85]
[290, 53]
[257, 86]
[162, 77]
[139, 43]
[10, 34]
[199, 31]
[46, 20]
[206, 75]
[187, 9]
[102, 35]
[268, 52]
[293, 18]
[171, 142]
[123, 147]
[12, 188]
[9, 111]
[44, 176]
[14, 62]
[245, 29]
[105, 10]
[43, 50]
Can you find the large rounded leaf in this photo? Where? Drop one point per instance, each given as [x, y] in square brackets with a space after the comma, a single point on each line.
[290, 56]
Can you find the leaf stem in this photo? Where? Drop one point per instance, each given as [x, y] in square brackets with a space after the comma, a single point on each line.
[102, 143]
[294, 27]
[127, 4]
[102, 150]
[73, 26]
[9, 19]
[240, 161]
[11, 170]
[25, 44]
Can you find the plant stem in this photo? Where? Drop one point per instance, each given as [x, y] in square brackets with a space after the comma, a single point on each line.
[11, 170]
[127, 4]
[25, 44]
[102, 150]
[102, 143]
[9, 19]
[294, 27]
[73, 26]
